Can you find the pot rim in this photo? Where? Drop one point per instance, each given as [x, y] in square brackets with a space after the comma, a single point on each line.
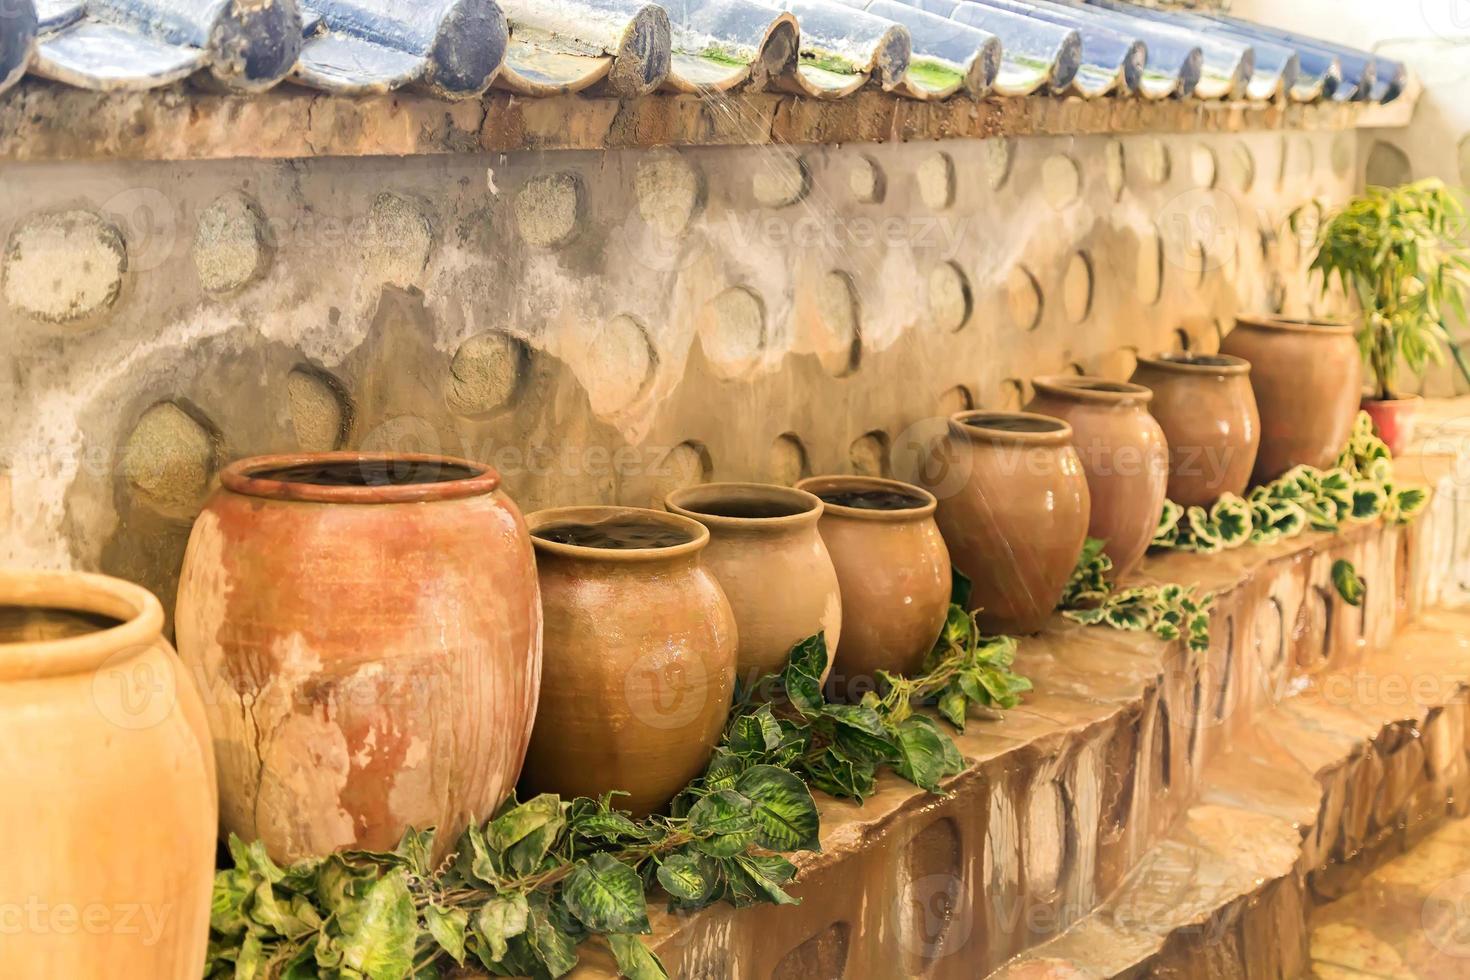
[680, 502]
[902, 515]
[138, 611]
[1208, 365]
[1292, 324]
[596, 513]
[240, 478]
[1366, 400]
[1089, 388]
[1056, 433]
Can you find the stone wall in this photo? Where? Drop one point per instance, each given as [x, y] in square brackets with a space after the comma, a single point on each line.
[602, 326]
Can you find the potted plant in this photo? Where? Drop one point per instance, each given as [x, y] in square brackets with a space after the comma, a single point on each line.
[1398, 251]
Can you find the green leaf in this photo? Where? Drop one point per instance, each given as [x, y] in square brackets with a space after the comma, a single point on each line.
[922, 756]
[416, 847]
[553, 946]
[783, 812]
[635, 960]
[378, 940]
[1348, 582]
[810, 655]
[606, 895]
[722, 822]
[754, 734]
[250, 959]
[760, 878]
[232, 888]
[684, 877]
[954, 705]
[520, 821]
[254, 857]
[499, 920]
[448, 927]
[960, 588]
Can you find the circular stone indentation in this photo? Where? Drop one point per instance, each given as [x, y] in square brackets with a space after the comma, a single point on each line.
[936, 181]
[1061, 181]
[64, 266]
[1149, 276]
[1202, 166]
[548, 209]
[838, 311]
[620, 364]
[1345, 154]
[950, 300]
[999, 155]
[319, 408]
[230, 244]
[956, 399]
[869, 454]
[1240, 168]
[1152, 156]
[686, 465]
[866, 181]
[485, 373]
[780, 179]
[669, 191]
[1077, 287]
[1388, 166]
[168, 461]
[398, 240]
[787, 461]
[732, 331]
[1023, 298]
[1115, 168]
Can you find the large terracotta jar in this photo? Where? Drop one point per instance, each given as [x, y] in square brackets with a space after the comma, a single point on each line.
[640, 655]
[894, 574]
[1013, 509]
[765, 552]
[1206, 407]
[107, 786]
[369, 630]
[1308, 378]
[1123, 453]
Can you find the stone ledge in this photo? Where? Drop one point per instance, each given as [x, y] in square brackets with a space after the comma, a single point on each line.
[41, 120]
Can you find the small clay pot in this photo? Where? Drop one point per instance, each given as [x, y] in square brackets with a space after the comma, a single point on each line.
[1123, 453]
[1308, 378]
[1206, 407]
[1013, 508]
[107, 785]
[765, 552]
[893, 570]
[1395, 420]
[640, 647]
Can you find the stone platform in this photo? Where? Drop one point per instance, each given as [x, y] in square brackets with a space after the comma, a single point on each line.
[1149, 812]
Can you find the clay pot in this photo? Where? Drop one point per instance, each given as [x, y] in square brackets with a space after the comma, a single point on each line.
[1123, 453]
[640, 660]
[1308, 379]
[1206, 407]
[1013, 509]
[1395, 420]
[107, 786]
[765, 552]
[893, 569]
[369, 630]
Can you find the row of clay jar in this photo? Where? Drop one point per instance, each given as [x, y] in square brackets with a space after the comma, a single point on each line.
[361, 637]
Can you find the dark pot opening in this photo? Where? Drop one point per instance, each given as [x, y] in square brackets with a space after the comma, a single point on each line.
[745, 509]
[615, 534]
[43, 624]
[861, 499]
[369, 473]
[1015, 423]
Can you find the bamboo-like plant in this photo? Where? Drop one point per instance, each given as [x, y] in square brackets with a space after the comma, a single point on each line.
[1398, 251]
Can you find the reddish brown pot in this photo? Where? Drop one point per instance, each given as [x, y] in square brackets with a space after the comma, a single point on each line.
[773, 568]
[1206, 407]
[1308, 379]
[893, 569]
[640, 663]
[371, 653]
[1013, 509]
[1395, 420]
[1123, 453]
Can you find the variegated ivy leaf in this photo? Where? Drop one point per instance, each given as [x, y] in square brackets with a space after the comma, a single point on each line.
[1198, 522]
[1231, 518]
[1086, 617]
[1409, 503]
[1369, 500]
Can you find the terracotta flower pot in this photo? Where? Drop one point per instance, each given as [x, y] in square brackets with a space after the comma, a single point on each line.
[107, 786]
[640, 655]
[1206, 407]
[369, 631]
[1013, 509]
[1123, 453]
[1308, 377]
[893, 569]
[765, 552]
[1395, 420]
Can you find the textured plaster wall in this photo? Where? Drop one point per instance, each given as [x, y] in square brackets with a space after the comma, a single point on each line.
[600, 326]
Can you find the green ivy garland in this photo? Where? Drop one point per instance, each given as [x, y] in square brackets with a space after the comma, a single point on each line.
[521, 892]
[1167, 611]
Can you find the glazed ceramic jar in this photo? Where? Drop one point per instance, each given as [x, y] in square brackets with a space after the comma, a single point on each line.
[765, 552]
[640, 655]
[1123, 453]
[1206, 407]
[370, 632]
[1013, 509]
[107, 786]
[1308, 378]
[893, 571]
